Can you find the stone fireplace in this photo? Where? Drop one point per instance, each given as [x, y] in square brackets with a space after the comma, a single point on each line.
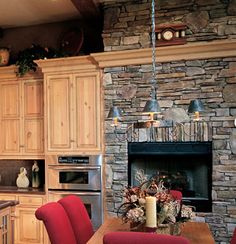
[183, 166]
[178, 83]
[197, 70]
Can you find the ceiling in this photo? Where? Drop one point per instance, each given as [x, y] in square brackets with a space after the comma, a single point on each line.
[18, 13]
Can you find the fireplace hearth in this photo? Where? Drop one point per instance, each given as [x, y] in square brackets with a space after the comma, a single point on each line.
[184, 166]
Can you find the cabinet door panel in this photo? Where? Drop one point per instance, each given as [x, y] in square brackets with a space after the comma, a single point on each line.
[28, 228]
[34, 136]
[10, 100]
[5, 231]
[10, 136]
[33, 99]
[87, 111]
[58, 105]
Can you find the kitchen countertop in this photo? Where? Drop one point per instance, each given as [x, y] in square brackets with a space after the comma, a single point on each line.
[15, 189]
[7, 203]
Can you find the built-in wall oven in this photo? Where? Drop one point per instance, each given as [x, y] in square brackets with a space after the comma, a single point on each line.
[78, 175]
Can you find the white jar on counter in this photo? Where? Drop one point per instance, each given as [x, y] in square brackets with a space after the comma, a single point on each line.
[22, 180]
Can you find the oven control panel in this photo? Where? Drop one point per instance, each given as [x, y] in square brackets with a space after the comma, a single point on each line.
[73, 160]
[79, 159]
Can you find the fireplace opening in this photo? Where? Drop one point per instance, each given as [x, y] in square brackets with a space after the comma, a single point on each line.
[184, 166]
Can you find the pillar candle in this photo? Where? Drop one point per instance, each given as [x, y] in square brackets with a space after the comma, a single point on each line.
[151, 212]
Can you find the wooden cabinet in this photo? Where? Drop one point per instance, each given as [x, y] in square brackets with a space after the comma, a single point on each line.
[5, 226]
[72, 106]
[21, 117]
[27, 228]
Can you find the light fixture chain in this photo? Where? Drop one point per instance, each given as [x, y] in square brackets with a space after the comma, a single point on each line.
[154, 83]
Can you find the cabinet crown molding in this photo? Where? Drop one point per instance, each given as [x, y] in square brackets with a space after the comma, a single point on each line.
[190, 51]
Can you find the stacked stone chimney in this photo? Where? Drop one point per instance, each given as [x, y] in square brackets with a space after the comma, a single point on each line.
[213, 80]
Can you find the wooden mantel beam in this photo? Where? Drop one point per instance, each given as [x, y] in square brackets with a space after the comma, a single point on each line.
[191, 51]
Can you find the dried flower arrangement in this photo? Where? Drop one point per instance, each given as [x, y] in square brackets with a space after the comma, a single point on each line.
[169, 209]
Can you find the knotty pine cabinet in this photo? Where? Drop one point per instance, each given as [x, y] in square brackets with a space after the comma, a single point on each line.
[5, 226]
[72, 96]
[21, 116]
[27, 228]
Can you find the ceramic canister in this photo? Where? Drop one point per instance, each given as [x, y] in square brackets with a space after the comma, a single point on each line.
[4, 56]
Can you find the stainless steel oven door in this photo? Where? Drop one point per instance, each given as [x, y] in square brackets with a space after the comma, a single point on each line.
[91, 200]
[66, 177]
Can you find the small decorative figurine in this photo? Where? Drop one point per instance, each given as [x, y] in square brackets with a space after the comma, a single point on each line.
[35, 175]
[22, 180]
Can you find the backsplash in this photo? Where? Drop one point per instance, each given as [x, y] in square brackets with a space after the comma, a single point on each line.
[9, 170]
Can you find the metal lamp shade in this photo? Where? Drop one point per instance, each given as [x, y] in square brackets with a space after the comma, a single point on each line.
[114, 113]
[195, 106]
[152, 106]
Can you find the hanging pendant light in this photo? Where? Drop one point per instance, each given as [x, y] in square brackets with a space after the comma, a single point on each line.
[196, 106]
[152, 106]
[115, 114]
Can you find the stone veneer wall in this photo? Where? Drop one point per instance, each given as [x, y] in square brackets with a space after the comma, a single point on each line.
[126, 26]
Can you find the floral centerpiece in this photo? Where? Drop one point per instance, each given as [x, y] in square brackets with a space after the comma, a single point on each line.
[169, 209]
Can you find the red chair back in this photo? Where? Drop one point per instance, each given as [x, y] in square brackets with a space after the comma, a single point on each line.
[233, 240]
[176, 194]
[141, 238]
[79, 218]
[57, 223]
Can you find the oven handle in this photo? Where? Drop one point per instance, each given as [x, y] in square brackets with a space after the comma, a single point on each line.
[74, 167]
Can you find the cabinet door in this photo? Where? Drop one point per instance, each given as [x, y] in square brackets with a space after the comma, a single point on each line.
[87, 126]
[5, 226]
[10, 118]
[28, 228]
[58, 114]
[33, 118]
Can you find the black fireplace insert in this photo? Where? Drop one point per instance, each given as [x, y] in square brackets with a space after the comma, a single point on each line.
[184, 166]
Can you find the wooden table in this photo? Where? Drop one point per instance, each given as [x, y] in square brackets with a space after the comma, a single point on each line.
[196, 232]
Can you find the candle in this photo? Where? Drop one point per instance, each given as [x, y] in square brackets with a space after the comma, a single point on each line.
[151, 212]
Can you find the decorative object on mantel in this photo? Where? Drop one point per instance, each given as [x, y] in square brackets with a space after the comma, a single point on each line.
[26, 57]
[151, 205]
[4, 56]
[22, 180]
[152, 107]
[170, 35]
[72, 41]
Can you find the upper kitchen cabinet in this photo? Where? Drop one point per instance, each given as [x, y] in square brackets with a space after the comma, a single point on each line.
[21, 115]
[73, 123]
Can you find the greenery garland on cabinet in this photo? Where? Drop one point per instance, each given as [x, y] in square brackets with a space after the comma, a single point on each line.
[26, 57]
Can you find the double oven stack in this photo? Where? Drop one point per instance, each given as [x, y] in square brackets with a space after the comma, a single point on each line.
[78, 175]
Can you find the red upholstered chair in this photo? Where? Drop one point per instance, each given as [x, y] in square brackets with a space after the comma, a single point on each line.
[57, 223]
[79, 218]
[142, 238]
[233, 240]
[176, 194]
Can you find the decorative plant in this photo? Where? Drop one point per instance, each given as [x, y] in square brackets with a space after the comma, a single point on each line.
[25, 58]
